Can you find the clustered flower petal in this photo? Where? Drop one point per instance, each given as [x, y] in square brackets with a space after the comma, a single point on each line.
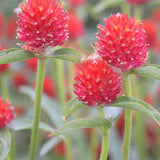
[75, 26]
[151, 29]
[96, 83]
[6, 115]
[136, 2]
[77, 2]
[122, 42]
[42, 23]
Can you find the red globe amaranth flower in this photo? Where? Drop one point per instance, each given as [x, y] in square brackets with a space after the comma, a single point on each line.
[19, 79]
[158, 47]
[60, 149]
[75, 26]
[32, 64]
[11, 27]
[156, 14]
[6, 115]
[4, 67]
[148, 98]
[41, 24]
[96, 83]
[49, 86]
[136, 2]
[19, 110]
[122, 42]
[77, 2]
[151, 29]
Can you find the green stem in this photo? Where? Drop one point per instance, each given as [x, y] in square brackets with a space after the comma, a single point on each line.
[128, 119]
[4, 88]
[105, 137]
[61, 82]
[105, 146]
[62, 98]
[37, 107]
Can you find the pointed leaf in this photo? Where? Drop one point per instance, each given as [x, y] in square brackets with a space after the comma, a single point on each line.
[137, 105]
[13, 55]
[149, 71]
[21, 124]
[71, 106]
[87, 122]
[68, 54]
[5, 141]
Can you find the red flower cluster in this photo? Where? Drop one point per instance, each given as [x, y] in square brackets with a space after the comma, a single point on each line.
[6, 115]
[75, 26]
[77, 2]
[60, 149]
[19, 79]
[32, 64]
[151, 29]
[49, 86]
[96, 83]
[136, 2]
[122, 42]
[41, 24]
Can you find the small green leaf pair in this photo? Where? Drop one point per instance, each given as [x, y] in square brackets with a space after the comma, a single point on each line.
[15, 54]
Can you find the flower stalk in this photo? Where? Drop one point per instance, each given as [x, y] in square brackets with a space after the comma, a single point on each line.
[105, 137]
[37, 107]
[128, 118]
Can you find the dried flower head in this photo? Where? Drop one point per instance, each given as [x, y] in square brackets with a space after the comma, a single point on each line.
[42, 23]
[6, 115]
[96, 83]
[122, 42]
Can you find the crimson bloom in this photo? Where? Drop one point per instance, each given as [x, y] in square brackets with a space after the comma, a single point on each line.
[136, 2]
[6, 115]
[77, 2]
[96, 83]
[41, 24]
[122, 42]
[60, 149]
[156, 14]
[75, 26]
[151, 29]
[19, 79]
[32, 64]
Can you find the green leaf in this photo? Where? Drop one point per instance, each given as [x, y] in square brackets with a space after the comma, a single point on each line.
[68, 54]
[52, 108]
[149, 71]
[21, 124]
[87, 122]
[103, 5]
[71, 106]
[5, 141]
[137, 105]
[14, 55]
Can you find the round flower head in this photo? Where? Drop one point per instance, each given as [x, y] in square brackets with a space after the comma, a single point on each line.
[32, 64]
[122, 42]
[75, 26]
[42, 23]
[77, 2]
[6, 115]
[96, 83]
[151, 29]
[136, 2]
